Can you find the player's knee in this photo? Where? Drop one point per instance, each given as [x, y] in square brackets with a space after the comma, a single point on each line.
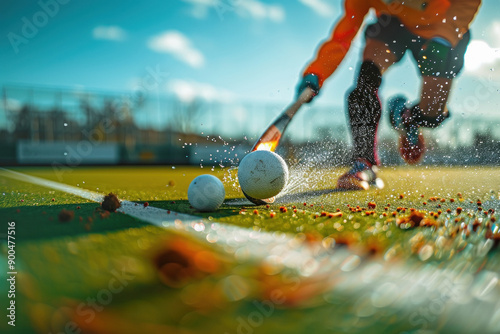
[369, 75]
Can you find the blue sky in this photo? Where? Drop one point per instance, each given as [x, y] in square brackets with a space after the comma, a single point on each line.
[252, 50]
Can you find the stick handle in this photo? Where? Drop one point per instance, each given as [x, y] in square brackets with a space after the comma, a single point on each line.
[304, 97]
[271, 137]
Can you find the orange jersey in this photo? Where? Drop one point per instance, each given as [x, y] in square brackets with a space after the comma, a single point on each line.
[448, 19]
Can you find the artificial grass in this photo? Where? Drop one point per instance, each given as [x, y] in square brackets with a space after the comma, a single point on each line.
[61, 264]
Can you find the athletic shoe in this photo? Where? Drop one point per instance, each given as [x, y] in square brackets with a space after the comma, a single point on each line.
[411, 140]
[361, 176]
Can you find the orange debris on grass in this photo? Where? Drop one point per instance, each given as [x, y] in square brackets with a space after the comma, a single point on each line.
[180, 259]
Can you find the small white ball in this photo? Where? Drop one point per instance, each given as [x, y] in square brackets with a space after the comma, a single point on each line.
[262, 174]
[206, 193]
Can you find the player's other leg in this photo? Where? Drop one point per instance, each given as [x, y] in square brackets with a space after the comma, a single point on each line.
[431, 110]
[411, 141]
[364, 111]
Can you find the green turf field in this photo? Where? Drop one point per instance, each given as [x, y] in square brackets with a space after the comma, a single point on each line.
[102, 272]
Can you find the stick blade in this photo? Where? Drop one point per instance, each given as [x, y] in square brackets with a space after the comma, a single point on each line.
[269, 139]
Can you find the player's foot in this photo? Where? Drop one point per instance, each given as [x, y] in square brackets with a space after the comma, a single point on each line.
[411, 140]
[411, 153]
[361, 176]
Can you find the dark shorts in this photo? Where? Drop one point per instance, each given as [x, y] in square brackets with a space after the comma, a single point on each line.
[391, 31]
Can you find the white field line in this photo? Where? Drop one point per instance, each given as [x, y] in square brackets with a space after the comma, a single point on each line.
[422, 292]
[214, 232]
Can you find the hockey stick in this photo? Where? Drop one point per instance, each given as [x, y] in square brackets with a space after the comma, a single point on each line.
[270, 139]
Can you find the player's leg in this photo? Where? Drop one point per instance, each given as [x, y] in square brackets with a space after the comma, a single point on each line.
[433, 98]
[431, 110]
[363, 103]
[364, 108]
[364, 111]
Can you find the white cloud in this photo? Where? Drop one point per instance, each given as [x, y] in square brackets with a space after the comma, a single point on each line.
[244, 8]
[188, 91]
[112, 33]
[495, 32]
[481, 59]
[258, 10]
[200, 8]
[178, 45]
[320, 7]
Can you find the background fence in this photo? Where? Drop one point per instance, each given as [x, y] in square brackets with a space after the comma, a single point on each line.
[41, 125]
